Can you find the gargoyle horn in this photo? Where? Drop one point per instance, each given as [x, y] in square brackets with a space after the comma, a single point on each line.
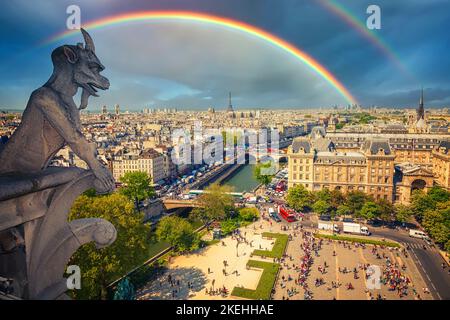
[88, 40]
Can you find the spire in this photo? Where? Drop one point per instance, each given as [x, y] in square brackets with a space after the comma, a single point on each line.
[230, 106]
[421, 98]
[421, 110]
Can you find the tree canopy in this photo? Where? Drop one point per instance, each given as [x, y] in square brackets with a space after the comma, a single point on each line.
[299, 198]
[100, 267]
[215, 202]
[178, 232]
[137, 186]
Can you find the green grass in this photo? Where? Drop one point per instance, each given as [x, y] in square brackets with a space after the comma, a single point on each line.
[211, 242]
[358, 240]
[278, 247]
[157, 247]
[265, 284]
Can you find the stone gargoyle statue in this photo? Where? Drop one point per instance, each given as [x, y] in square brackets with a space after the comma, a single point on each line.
[36, 240]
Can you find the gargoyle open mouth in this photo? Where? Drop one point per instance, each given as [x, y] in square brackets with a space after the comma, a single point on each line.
[92, 88]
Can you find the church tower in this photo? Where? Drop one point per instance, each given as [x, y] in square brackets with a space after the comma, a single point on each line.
[421, 110]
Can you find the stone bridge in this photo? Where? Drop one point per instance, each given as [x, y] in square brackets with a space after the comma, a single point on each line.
[170, 204]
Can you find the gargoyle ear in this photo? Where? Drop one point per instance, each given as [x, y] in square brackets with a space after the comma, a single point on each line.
[70, 54]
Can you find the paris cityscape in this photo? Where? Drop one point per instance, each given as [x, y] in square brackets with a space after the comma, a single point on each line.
[173, 166]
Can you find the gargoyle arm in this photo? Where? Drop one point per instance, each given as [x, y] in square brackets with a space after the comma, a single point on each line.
[59, 120]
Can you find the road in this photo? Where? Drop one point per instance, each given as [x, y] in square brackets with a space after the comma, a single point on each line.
[428, 261]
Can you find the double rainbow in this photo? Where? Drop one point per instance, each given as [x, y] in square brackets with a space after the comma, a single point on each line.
[356, 24]
[218, 21]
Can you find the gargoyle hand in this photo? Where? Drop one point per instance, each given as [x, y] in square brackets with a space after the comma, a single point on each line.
[105, 179]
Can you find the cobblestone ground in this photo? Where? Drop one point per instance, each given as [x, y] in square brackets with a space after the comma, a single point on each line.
[347, 257]
[191, 278]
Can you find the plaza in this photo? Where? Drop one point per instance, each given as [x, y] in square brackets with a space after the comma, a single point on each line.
[194, 275]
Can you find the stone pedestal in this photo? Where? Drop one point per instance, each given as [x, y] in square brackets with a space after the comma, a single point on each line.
[36, 240]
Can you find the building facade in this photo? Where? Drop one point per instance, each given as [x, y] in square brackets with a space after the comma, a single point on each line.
[315, 163]
[149, 161]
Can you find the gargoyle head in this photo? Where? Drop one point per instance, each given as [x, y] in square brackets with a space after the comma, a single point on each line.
[85, 65]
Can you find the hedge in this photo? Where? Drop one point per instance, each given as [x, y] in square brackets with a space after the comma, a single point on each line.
[265, 284]
[277, 249]
[358, 240]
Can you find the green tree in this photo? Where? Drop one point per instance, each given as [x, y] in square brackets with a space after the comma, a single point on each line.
[264, 172]
[402, 213]
[437, 222]
[102, 266]
[248, 214]
[178, 232]
[343, 210]
[337, 198]
[216, 203]
[322, 207]
[229, 225]
[137, 186]
[355, 201]
[324, 195]
[299, 198]
[387, 210]
[370, 210]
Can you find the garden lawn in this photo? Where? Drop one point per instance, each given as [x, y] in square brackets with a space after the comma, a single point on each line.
[278, 248]
[265, 284]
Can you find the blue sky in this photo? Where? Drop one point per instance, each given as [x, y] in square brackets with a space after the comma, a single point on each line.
[189, 65]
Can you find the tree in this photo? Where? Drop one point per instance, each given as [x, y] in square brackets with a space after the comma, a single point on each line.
[324, 195]
[137, 186]
[248, 214]
[387, 210]
[343, 210]
[402, 213]
[355, 201]
[178, 232]
[264, 172]
[216, 203]
[370, 210]
[437, 222]
[299, 198]
[102, 266]
[321, 207]
[421, 202]
[337, 198]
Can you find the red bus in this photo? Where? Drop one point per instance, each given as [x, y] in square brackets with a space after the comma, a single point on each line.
[286, 214]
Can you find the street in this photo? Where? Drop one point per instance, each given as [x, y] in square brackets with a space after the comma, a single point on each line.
[429, 262]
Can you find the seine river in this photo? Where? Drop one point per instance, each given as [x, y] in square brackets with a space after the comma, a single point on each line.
[243, 180]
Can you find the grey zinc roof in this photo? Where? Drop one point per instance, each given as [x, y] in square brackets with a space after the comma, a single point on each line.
[297, 144]
[372, 146]
[323, 144]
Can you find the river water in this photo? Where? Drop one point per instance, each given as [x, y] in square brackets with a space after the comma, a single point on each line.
[243, 180]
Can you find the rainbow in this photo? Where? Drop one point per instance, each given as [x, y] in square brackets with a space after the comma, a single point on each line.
[218, 21]
[353, 21]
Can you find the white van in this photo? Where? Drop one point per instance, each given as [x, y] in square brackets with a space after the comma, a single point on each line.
[418, 234]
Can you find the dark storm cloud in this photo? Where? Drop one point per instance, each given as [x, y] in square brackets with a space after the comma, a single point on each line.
[415, 30]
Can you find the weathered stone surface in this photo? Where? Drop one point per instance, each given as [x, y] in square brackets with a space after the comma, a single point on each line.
[36, 240]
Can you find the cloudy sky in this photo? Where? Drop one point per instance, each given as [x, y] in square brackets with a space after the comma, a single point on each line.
[189, 65]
